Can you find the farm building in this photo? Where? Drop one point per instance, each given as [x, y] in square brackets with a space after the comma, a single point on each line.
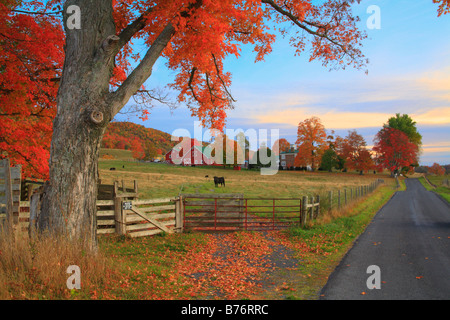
[196, 155]
[287, 158]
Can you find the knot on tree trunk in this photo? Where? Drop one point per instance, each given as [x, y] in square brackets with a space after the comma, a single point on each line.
[96, 117]
[109, 43]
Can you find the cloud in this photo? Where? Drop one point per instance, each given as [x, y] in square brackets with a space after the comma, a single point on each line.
[437, 116]
[436, 148]
[438, 82]
[331, 120]
[336, 119]
[368, 103]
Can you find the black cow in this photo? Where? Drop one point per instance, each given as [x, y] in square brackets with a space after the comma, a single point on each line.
[112, 169]
[219, 181]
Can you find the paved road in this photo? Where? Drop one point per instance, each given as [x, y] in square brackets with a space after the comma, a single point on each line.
[409, 240]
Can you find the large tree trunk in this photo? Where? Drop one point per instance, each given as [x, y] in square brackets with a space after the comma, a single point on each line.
[69, 204]
[85, 107]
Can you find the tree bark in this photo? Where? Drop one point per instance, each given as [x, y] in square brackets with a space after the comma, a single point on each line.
[69, 203]
[85, 106]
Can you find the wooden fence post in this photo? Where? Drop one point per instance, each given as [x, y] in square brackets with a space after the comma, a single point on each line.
[179, 214]
[300, 213]
[345, 196]
[317, 211]
[331, 199]
[8, 224]
[136, 188]
[339, 199]
[119, 215]
[311, 209]
[304, 210]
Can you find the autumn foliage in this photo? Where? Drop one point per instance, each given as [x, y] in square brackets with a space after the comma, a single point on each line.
[444, 6]
[394, 151]
[436, 169]
[281, 145]
[311, 143]
[204, 34]
[131, 136]
[355, 153]
[31, 57]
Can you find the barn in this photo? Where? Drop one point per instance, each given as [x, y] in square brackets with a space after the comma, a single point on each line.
[196, 156]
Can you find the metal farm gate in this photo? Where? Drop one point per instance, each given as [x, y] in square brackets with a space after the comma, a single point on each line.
[233, 212]
[213, 212]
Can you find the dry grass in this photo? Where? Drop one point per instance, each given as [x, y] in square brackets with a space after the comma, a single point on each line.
[37, 269]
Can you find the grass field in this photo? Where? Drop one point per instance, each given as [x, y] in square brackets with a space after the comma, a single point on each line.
[442, 190]
[161, 180]
[118, 154]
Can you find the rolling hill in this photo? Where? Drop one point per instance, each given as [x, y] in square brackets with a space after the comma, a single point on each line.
[121, 135]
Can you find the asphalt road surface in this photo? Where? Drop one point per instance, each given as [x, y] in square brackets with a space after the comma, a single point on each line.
[409, 241]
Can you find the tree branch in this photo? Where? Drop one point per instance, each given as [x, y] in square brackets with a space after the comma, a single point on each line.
[36, 12]
[296, 21]
[223, 82]
[142, 72]
[133, 28]
[191, 78]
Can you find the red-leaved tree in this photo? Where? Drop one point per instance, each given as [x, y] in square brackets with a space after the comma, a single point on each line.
[137, 150]
[394, 151]
[436, 169]
[31, 59]
[353, 149]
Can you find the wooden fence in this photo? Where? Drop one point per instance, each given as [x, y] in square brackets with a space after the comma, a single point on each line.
[140, 218]
[145, 217]
[126, 214]
[445, 183]
[148, 217]
[342, 197]
[9, 191]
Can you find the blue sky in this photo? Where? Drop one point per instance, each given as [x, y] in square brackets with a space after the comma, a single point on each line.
[409, 72]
